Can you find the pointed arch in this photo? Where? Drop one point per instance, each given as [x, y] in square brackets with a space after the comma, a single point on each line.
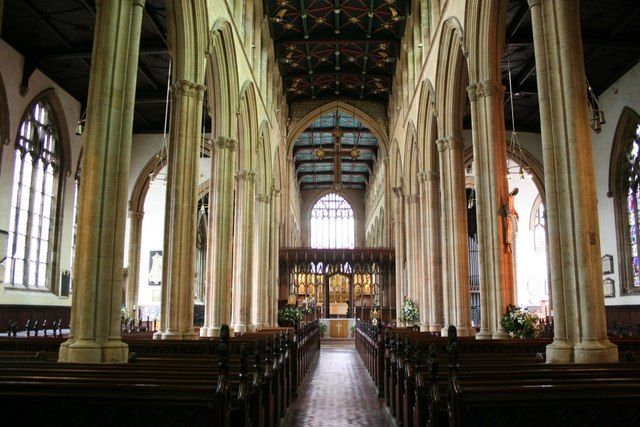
[451, 78]
[222, 80]
[263, 164]
[247, 127]
[411, 160]
[485, 28]
[376, 128]
[428, 129]
[396, 169]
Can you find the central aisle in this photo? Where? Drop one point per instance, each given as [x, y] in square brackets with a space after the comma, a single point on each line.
[338, 392]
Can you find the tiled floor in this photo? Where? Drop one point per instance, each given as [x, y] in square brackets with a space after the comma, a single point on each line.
[337, 392]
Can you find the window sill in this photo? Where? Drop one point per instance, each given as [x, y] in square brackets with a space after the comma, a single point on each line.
[8, 287]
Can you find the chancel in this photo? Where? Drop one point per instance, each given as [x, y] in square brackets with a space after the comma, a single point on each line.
[319, 212]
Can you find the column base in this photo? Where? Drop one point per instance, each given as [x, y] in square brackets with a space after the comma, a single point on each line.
[500, 334]
[189, 335]
[424, 327]
[559, 351]
[484, 335]
[157, 334]
[172, 335]
[90, 351]
[239, 328]
[466, 331]
[213, 331]
[595, 351]
[203, 331]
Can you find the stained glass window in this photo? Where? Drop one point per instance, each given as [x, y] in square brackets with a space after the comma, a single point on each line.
[633, 182]
[332, 223]
[32, 201]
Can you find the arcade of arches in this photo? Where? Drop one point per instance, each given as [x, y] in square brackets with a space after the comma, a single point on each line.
[343, 160]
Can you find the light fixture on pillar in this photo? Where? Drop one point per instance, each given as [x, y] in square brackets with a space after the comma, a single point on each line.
[515, 149]
[597, 114]
[81, 123]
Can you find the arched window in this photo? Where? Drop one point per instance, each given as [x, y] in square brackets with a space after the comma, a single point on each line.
[625, 188]
[538, 224]
[201, 251]
[332, 223]
[33, 201]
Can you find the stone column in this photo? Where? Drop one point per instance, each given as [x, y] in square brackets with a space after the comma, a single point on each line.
[95, 311]
[455, 250]
[243, 251]
[398, 231]
[490, 164]
[274, 241]
[411, 245]
[220, 253]
[580, 333]
[430, 234]
[135, 237]
[260, 261]
[181, 212]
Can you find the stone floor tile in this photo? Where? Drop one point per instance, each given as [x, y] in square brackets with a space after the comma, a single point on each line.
[337, 392]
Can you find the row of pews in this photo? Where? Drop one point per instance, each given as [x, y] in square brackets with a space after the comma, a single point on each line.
[426, 380]
[245, 380]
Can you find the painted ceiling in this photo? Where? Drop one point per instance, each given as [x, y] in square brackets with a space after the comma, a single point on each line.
[318, 163]
[346, 48]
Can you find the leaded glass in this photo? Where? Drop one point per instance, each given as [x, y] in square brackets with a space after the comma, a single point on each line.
[332, 223]
[633, 182]
[32, 200]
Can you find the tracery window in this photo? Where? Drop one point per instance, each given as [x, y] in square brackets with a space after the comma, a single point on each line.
[539, 226]
[332, 223]
[632, 182]
[33, 200]
[201, 254]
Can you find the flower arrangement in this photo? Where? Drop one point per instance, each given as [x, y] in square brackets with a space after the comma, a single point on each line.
[290, 315]
[409, 311]
[309, 304]
[323, 329]
[125, 316]
[520, 323]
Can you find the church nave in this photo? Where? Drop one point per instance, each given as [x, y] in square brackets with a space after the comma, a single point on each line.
[337, 392]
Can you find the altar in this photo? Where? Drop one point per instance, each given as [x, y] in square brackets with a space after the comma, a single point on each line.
[339, 328]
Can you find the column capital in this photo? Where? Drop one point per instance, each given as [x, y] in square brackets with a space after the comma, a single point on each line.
[397, 191]
[449, 143]
[428, 176]
[490, 88]
[246, 175]
[472, 90]
[190, 89]
[225, 143]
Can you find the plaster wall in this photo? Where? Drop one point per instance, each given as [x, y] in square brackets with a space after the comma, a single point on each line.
[625, 92]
